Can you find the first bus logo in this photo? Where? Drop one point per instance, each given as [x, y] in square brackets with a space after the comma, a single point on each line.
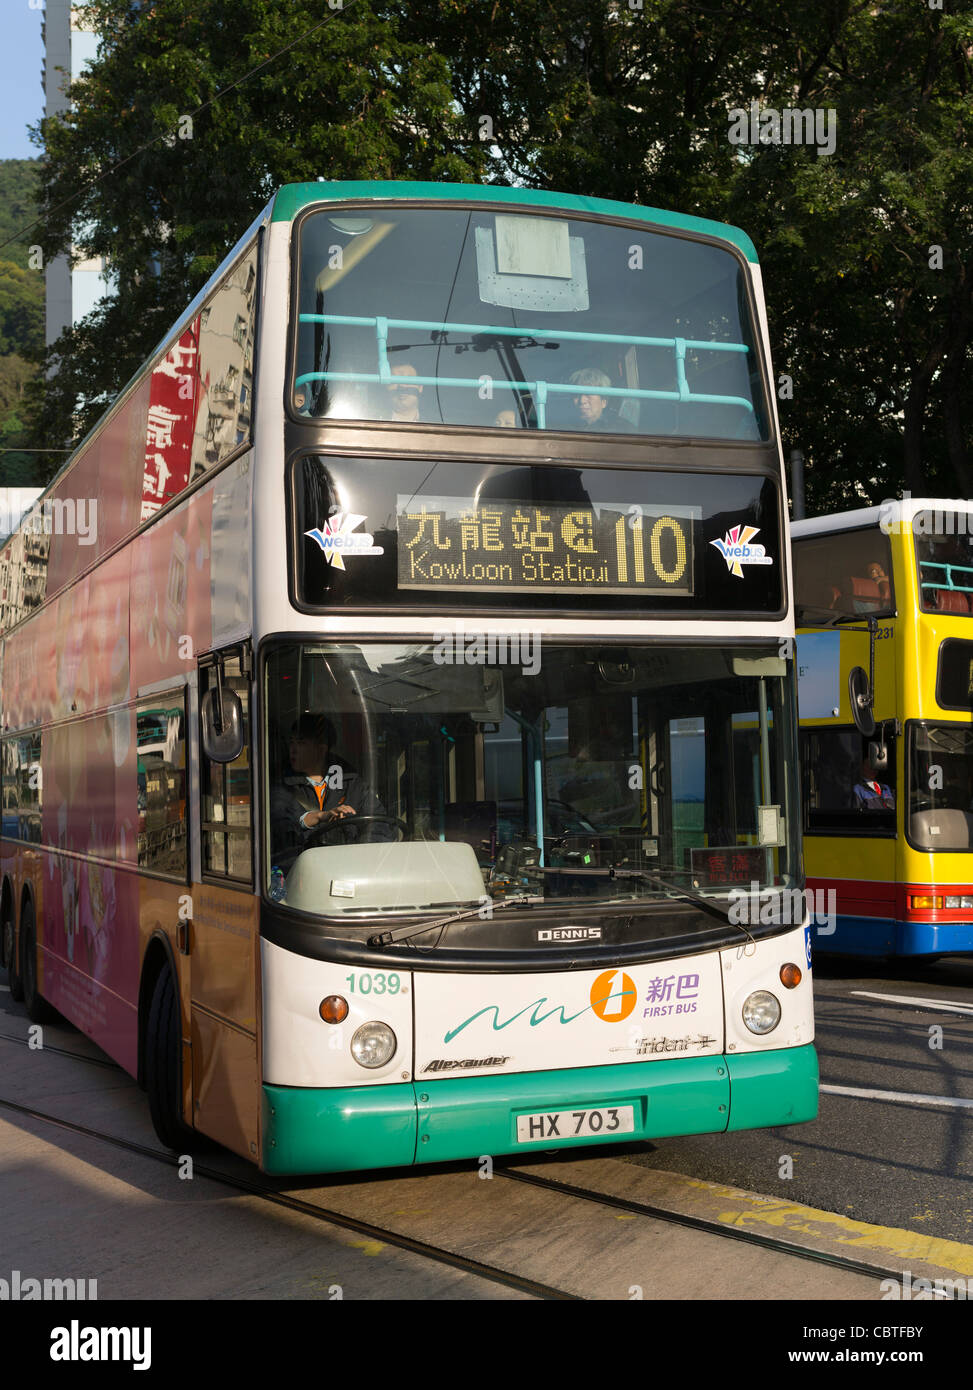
[737, 551]
[338, 538]
[613, 996]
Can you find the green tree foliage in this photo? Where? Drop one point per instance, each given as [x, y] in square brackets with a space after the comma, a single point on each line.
[357, 99]
[17, 469]
[624, 99]
[630, 100]
[21, 316]
[21, 308]
[877, 338]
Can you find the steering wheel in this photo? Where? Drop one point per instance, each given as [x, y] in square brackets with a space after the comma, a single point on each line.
[320, 832]
[923, 803]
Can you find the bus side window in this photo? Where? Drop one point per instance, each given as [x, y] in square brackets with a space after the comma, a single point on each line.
[22, 788]
[162, 837]
[225, 791]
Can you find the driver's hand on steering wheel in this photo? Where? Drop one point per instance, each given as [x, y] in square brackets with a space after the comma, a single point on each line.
[316, 818]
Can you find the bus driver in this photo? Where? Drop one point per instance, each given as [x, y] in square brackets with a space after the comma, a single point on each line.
[324, 789]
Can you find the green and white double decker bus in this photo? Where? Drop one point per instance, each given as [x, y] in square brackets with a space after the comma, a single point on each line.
[447, 528]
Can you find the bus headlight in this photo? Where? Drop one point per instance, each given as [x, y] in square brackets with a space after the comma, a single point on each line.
[761, 1012]
[374, 1044]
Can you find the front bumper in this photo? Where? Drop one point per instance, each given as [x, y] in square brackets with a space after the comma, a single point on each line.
[341, 1129]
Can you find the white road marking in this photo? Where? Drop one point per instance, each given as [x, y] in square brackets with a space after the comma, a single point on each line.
[902, 1097]
[908, 999]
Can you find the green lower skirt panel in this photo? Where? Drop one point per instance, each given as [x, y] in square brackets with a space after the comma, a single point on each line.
[773, 1088]
[331, 1131]
[308, 1130]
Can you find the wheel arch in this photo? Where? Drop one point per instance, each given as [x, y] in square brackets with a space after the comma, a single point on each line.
[158, 956]
[7, 893]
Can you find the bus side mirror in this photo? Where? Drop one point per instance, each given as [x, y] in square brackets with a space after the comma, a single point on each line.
[223, 740]
[878, 756]
[860, 697]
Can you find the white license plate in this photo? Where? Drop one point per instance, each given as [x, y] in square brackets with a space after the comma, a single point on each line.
[575, 1124]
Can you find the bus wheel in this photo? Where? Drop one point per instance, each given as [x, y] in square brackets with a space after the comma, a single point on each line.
[14, 981]
[163, 1071]
[38, 1009]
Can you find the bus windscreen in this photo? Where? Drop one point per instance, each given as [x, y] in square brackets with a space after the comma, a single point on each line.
[465, 316]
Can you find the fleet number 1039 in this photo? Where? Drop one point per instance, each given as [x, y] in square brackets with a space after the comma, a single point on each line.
[373, 984]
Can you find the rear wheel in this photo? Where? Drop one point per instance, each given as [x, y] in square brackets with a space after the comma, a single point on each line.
[9, 949]
[163, 1069]
[38, 1009]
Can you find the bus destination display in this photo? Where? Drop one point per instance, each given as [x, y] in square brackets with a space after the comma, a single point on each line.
[523, 547]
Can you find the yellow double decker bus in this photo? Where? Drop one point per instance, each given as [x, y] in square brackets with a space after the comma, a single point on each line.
[884, 603]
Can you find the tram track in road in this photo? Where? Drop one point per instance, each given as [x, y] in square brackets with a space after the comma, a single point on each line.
[491, 1273]
[623, 1206]
[698, 1223]
[439, 1254]
[62, 1052]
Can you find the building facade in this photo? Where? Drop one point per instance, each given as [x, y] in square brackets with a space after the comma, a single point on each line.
[69, 44]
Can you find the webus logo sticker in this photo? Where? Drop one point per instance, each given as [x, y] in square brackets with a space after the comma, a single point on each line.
[339, 538]
[613, 996]
[737, 551]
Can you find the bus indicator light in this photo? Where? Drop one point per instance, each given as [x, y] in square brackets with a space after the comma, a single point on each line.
[790, 976]
[334, 1009]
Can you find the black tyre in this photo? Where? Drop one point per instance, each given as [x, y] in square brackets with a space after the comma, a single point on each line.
[14, 982]
[38, 1009]
[163, 1069]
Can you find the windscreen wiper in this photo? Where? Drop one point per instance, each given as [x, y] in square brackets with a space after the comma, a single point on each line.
[386, 938]
[680, 891]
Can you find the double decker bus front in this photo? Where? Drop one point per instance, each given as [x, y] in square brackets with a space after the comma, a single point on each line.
[937, 896]
[889, 813]
[531, 870]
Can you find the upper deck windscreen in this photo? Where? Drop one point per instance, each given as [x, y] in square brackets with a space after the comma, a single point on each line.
[842, 574]
[510, 320]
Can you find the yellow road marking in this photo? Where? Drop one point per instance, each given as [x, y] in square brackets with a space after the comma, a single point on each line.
[367, 1247]
[862, 1236]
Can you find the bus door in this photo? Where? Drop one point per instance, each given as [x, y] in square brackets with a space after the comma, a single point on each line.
[850, 835]
[221, 957]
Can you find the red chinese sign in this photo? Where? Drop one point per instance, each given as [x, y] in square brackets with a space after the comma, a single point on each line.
[171, 423]
[734, 864]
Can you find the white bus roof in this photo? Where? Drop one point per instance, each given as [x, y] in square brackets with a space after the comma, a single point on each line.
[895, 510]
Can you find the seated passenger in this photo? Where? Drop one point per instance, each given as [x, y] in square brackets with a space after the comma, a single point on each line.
[876, 573]
[506, 420]
[403, 395]
[591, 409]
[871, 795]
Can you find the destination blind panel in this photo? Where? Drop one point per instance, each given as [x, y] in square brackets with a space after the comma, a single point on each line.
[380, 533]
[448, 542]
